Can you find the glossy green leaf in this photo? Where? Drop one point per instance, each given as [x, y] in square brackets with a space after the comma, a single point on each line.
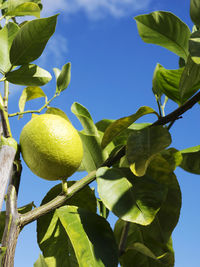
[31, 40]
[128, 197]
[161, 170]
[29, 75]
[93, 155]
[29, 93]
[25, 9]
[194, 47]
[145, 246]
[195, 12]
[63, 78]
[164, 29]
[57, 111]
[56, 73]
[191, 159]
[50, 232]
[91, 237]
[167, 82]
[122, 124]
[190, 79]
[7, 34]
[40, 262]
[21, 210]
[143, 145]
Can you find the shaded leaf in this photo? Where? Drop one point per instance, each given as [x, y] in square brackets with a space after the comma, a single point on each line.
[25, 9]
[7, 34]
[93, 155]
[143, 244]
[40, 262]
[31, 40]
[167, 82]
[143, 145]
[57, 111]
[29, 93]
[128, 197]
[50, 232]
[103, 211]
[173, 157]
[91, 236]
[164, 29]
[63, 78]
[29, 75]
[195, 12]
[121, 124]
[191, 159]
[194, 47]
[190, 80]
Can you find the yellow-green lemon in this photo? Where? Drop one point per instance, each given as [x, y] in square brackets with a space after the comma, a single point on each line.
[51, 147]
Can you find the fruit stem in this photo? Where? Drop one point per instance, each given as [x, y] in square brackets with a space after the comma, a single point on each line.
[64, 187]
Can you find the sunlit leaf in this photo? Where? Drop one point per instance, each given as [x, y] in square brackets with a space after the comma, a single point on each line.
[191, 159]
[190, 80]
[194, 47]
[91, 237]
[31, 40]
[29, 93]
[122, 124]
[164, 29]
[128, 197]
[40, 262]
[57, 111]
[29, 75]
[7, 34]
[25, 9]
[167, 82]
[50, 232]
[93, 155]
[63, 78]
[143, 145]
[103, 211]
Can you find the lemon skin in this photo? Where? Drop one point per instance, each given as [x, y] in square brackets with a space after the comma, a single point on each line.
[51, 147]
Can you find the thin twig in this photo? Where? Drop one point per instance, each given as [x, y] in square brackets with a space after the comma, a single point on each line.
[124, 235]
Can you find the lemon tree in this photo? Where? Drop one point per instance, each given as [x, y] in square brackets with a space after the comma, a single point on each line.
[132, 163]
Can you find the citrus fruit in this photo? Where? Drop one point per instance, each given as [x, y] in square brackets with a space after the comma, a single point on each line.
[51, 147]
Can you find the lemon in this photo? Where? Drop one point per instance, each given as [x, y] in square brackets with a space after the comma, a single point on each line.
[51, 147]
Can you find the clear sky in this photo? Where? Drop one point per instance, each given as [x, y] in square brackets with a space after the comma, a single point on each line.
[112, 76]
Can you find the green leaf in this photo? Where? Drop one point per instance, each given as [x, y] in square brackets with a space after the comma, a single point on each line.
[173, 157]
[7, 34]
[2, 253]
[91, 236]
[167, 82]
[63, 78]
[93, 155]
[50, 232]
[25, 9]
[21, 210]
[143, 145]
[57, 111]
[31, 40]
[194, 47]
[145, 246]
[40, 262]
[103, 211]
[29, 75]
[195, 12]
[190, 80]
[29, 93]
[161, 170]
[128, 197]
[191, 159]
[122, 124]
[164, 29]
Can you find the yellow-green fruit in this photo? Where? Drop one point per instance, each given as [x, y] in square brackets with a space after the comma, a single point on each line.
[51, 147]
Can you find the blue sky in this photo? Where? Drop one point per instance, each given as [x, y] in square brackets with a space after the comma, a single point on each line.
[112, 76]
